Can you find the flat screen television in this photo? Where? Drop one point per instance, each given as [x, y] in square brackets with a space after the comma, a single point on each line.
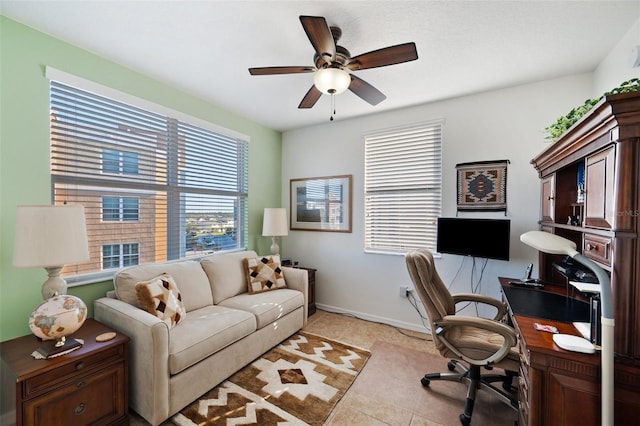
[485, 238]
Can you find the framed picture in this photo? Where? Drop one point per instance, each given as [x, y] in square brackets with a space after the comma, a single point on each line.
[482, 186]
[321, 203]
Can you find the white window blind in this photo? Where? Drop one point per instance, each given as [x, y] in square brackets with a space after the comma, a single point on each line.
[403, 188]
[153, 186]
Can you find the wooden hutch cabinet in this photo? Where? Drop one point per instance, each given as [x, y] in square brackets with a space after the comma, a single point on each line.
[602, 218]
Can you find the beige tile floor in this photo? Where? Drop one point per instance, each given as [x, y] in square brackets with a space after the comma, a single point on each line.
[388, 390]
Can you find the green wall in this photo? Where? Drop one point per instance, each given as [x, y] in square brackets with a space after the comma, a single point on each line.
[24, 151]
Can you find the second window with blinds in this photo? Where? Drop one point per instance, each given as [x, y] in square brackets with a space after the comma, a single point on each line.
[403, 188]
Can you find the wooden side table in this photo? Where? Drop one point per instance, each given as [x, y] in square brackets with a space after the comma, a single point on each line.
[87, 386]
[311, 273]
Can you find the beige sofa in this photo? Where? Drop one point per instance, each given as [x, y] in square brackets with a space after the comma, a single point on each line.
[224, 329]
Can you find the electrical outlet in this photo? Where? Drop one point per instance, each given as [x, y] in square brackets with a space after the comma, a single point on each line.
[404, 291]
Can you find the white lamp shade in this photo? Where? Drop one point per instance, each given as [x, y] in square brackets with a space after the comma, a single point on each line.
[274, 223]
[331, 80]
[50, 236]
[549, 243]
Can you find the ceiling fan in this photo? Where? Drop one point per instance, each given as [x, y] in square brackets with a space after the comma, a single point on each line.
[333, 63]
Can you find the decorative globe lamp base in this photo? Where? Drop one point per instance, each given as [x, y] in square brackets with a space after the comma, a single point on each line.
[56, 318]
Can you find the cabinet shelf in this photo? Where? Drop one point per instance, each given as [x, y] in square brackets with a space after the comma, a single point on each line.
[579, 229]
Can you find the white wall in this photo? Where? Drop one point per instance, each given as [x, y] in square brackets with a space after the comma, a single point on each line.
[501, 124]
[616, 67]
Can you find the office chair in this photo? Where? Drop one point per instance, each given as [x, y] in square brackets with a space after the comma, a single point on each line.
[478, 342]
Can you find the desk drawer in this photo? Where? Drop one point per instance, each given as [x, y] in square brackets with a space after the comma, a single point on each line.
[597, 248]
[44, 382]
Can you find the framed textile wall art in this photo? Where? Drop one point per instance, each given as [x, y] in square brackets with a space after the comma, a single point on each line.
[482, 186]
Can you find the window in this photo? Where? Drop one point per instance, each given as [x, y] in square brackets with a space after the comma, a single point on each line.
[119, 162]
[119, 209]
[154, 184]
[403, 187]
[119, 255]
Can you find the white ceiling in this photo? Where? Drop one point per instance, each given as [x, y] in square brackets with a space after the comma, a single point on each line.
[205, 47]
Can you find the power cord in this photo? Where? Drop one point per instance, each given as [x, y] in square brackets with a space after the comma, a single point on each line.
[412, 300]
[474, 287]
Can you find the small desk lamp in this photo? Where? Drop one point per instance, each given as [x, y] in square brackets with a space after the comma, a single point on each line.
[554, 244]
[50, 237]
[274, 225]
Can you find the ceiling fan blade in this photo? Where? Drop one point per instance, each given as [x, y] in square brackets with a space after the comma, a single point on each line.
[366, 91]
[279, 70]
[386, 56]
[320, 36]
[310, 98]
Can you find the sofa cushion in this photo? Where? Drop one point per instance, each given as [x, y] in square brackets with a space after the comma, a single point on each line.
[226, 274]
[204, 332]
[263, 273]
[161, 297]
[268, 306]
[187, 274]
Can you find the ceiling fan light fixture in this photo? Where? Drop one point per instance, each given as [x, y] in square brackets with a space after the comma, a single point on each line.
[331, 81]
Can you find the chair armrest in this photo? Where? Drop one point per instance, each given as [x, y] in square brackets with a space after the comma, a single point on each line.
[487, 300]
[148, 354]
[509, 334]
[298, 279]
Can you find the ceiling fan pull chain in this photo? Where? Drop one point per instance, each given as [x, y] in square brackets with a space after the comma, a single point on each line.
[333, 106]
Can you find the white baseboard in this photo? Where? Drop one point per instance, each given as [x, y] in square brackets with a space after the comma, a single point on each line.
[373, 318]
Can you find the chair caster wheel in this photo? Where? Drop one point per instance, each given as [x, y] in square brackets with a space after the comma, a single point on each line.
[451, 366]
[464, 420]
[425, 382]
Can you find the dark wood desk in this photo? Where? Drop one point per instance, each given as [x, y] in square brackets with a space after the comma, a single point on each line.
[558, 387]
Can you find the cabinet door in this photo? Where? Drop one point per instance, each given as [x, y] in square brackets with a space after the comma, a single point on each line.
[571, 401]
[548, 203]
[599, 183]
[95, 398]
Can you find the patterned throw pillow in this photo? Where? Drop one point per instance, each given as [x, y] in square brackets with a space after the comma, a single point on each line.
[160, 297]
[263, 274]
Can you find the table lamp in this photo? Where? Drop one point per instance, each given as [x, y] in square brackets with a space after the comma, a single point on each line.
[51, 237]
[274, 225]
[554, 244]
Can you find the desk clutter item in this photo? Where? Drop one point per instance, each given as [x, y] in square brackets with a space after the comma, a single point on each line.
[528, 283]
[46, 352]
[573, 343]
[545, 327]
[105, 337]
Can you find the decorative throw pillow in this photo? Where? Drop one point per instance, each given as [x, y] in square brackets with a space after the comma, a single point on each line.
[263, 274]
[160, 297]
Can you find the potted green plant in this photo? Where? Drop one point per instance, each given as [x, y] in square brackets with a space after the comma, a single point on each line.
[563, 123]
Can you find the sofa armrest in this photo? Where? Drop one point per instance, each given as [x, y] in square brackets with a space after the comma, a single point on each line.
[298, 279]
[148, 355]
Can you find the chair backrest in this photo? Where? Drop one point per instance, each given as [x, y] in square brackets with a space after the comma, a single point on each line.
[434, 295]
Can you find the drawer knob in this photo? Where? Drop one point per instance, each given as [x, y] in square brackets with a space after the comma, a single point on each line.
[80, 384]
[79, 409]
[590, 247]
[79, 366]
